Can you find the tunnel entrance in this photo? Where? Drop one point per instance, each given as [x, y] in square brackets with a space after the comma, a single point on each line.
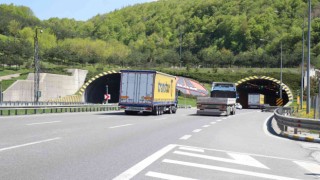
[267, 86]
[95, 91]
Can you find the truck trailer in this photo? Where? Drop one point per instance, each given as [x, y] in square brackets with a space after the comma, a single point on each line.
[255, 100]
[149, 92]
[222, 100]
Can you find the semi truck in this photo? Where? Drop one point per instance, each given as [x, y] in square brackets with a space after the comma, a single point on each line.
[255, 100]
[222, 100]
[149, 92]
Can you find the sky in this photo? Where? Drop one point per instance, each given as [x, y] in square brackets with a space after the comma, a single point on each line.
[76, 9]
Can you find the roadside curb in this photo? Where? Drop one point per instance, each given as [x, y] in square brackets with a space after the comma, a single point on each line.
[301, 138]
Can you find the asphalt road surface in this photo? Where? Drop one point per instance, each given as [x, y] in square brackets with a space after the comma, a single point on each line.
[184, 146]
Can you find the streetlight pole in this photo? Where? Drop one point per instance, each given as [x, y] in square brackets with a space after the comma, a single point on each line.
[281, 72]
[308, 61]
[36, 67]
[302, 66]
[180, 49]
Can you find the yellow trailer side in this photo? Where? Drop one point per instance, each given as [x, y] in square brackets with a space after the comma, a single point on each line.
[164, 88]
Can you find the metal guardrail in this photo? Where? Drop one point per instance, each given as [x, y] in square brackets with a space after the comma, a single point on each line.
[42, 109]
[284, 120]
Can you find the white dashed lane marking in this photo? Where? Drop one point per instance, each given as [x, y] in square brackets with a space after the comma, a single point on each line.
[185, 137]
[197, 130]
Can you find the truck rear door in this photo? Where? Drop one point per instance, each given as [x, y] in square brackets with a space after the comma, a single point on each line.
[136, 87]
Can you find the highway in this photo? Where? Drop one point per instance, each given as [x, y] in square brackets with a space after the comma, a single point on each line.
[112, 145]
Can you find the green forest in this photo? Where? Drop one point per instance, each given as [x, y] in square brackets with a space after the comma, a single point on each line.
[167, 33]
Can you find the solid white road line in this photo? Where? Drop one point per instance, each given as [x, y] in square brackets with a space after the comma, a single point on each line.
[29, 144]
[312, 167]
[185, 137]
[205, 126]
[219, 120]
[213, 122]
[224, 118]
[239, 159]
[43, 123]
[191, 149]
[120, 126]
[134, 170]
[166, 176]
[266, 131]
[230, 170]
[197, 130]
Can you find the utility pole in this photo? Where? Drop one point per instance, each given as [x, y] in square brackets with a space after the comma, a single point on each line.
[308, 61]
[36, 67]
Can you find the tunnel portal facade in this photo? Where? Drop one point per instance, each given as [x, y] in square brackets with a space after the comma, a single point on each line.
[267, 86]
[93, 90]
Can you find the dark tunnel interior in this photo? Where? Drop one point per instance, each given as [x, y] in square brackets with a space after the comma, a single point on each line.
[269, 89]
[95, 91]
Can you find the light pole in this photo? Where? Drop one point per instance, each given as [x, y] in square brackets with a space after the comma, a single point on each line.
[302, 66]
[308, 61]
[36, 66]
[180, 48]
[281, 72]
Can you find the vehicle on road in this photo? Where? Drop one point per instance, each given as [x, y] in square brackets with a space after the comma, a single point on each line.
[149, 92]
[238, 106]
[222, 100]
[255, 100]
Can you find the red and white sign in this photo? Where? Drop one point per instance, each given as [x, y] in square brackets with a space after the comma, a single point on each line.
[107, 96]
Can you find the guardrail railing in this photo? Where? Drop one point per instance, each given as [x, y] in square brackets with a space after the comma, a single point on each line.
[284, 121]
[42, 109]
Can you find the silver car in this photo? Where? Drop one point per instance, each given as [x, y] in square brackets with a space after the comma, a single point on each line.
[238, 106]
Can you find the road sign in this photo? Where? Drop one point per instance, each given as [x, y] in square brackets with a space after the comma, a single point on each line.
[107, 96]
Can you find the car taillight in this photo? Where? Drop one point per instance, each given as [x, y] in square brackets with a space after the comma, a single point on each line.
[148, 108]
[122, 107]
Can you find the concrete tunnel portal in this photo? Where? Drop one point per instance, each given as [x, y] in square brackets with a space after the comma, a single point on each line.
[95, 89]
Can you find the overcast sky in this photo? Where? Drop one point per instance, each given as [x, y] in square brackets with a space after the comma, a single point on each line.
[77, 9]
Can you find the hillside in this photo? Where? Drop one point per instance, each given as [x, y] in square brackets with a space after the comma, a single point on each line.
[212, 33]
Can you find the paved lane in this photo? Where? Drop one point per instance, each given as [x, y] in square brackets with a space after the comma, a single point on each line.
[109, 145]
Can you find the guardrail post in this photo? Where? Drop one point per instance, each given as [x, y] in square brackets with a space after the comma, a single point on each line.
[26, 111]
[285, 128]
[295, 131]
[35, 111]
[16, 112]
[1, 113]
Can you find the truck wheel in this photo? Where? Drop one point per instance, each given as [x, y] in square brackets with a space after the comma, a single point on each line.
[174, 109]
[170, 110]
[155, 111]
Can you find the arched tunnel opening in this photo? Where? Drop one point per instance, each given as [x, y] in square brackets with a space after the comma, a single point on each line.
[97, 89]
[270, 90]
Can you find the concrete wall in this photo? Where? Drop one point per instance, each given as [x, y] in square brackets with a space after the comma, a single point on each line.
[51, 86]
